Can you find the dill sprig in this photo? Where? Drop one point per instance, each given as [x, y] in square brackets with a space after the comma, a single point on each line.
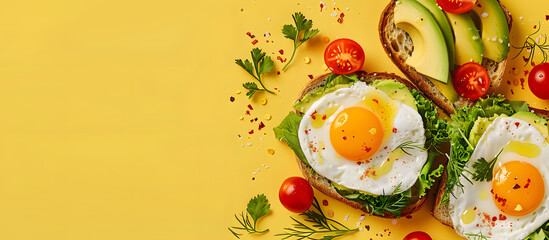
[322, 228]
[409, 145]
[531, 44]
[477, 236]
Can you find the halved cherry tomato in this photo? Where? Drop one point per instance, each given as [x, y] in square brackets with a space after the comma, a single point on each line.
[417, 236]
[344, 56]
[471, 81]
[456, 6]
[538, 80]
[296, 194]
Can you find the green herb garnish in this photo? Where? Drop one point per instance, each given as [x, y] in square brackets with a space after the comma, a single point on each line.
[477, 236]
[261, 64]
[409, 145]
[484, 169]
[321, 226]
[258, 207]
[294, 32]
[531, 43]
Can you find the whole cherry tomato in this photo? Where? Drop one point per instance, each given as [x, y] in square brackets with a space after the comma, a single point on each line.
[296, 194]
[538, 80]
[417, 236]
[344, 56]
[471, 81]
[456, 6]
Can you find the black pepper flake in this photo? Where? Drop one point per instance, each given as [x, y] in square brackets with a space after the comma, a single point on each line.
[516, 186]
[232, 99]
[367, 227]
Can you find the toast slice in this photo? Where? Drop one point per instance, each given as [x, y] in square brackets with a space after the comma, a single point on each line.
[323, 184]
[399, 46]
[441, 211]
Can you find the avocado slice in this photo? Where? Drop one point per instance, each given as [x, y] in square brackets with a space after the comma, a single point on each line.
[494, 29]
[396, 91]
[444, 25]
[430, 55]
[469, 47]
[538, 122]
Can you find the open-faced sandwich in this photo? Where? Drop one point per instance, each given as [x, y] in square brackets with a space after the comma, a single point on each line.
[431, 45]
[364, 139]
[496, 184]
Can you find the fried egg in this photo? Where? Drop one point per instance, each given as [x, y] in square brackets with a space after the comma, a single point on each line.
[351, 137]
[513, 204]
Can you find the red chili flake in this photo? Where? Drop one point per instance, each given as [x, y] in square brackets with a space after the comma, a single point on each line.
[277, 72]
[367, 149]
[394, 130]
[533, 64]
[313, 115]
[502, 217]
[535, 26]
[306, 132]
[522, 82]
[254, 42]
[281, 51]
[279, 58]
[527, 183]
[247, 112]
[375, 100]
[525, 59]
[479, 5]
[261, 126]
[340, 19]
[494, 218]
[310, 76]
[516, 186]
[526, 73]
[359, 163]
[250, 107]
[231, 99]
[252, 120]
[546, 17]
[517, 124]
[324, 117]
[325, 202]
[344, 138]
[512, 92]
[367, 227]
[321, 6]
[250, 35]
[251, 132]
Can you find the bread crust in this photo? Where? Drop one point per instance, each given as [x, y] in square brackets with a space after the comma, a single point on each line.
[398, 54]
[323, 184]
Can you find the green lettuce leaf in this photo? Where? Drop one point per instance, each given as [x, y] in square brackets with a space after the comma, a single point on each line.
[287, 132]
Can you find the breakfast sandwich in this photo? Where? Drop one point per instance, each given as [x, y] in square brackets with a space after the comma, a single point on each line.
[367, 140]
[496, 181]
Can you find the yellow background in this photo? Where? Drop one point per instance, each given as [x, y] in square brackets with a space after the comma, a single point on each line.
[115, 119]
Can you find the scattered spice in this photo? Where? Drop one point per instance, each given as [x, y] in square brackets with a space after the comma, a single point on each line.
[254, 42]
[268, 116]
[340, 19]
[250, 35]
[307, 60]
[231, 99]
[325, 202]
[250, 107]
[261, 126]
[310, 76]
[271, 151]
[263, 101]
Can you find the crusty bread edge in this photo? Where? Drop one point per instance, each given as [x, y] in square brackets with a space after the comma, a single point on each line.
[324, 185]
[423, 82]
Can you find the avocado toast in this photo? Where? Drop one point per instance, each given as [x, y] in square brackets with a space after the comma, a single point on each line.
[426, 44]
[391, 203]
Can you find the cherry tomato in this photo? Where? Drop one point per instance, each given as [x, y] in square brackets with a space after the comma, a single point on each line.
[417, 236]
[456, 6]
[471, 81]
[538, 80]
[296, 194]
[344, 56]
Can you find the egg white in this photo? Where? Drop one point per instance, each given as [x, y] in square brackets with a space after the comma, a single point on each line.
[322, 157]
[477, 194]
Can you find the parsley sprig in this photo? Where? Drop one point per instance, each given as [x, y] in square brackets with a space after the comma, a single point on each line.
[484, 170]
[261, 64]
[531, 43]
[295, 32]
[322, 226]
[257, 207]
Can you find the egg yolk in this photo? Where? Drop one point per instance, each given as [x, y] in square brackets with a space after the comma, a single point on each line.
[356, 133]
[518, 188]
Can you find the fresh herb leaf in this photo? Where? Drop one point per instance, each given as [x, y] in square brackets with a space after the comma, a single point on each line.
[302, 27]
[287, 131]
[542, 233]
[320, 226]
[409, 145]
[257, 207]
[427, 177]
[478, 236]
[435, 127]
[484, 169]
[261, 64]
[379, 205]
[532, 43]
